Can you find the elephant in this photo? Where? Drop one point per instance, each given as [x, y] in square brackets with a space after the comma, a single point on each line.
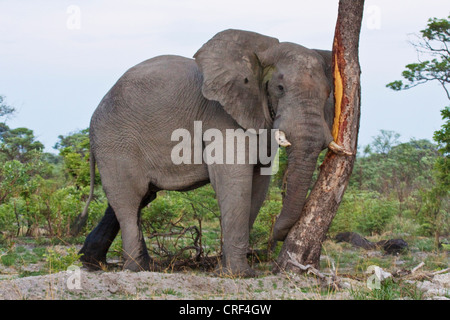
[237, 80]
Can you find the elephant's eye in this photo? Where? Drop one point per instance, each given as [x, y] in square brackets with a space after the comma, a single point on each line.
[280, 87]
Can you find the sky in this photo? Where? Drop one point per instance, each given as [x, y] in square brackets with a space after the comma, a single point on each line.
[58, 58]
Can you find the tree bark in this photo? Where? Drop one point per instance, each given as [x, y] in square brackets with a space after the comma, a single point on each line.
[303, 244]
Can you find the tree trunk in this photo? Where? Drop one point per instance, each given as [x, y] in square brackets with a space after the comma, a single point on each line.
[304, 241]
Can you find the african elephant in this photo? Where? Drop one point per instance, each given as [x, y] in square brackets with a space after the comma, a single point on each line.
[238, 80]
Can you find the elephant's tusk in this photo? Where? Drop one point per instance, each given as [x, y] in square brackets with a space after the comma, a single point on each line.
[280, 137]
[333, 146]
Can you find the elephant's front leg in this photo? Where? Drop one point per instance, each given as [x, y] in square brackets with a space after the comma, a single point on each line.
[233, 186]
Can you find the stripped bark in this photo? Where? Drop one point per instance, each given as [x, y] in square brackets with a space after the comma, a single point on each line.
[304, 241]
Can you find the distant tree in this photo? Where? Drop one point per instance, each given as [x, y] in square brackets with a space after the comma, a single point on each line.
[78, 141]
[442, 137]
[434, 214]
[51, 158]
[5, 110]
[19, 144]
[74, 148]
[433, 41]
[385, 141]
[16, 144]
[13, 176]
[436, 200]
[398, 172]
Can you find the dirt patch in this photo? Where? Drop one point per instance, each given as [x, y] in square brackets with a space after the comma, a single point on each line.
[154, 285]
[17, 282]
[82, 285]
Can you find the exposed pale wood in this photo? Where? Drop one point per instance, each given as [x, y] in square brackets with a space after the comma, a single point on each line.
[418, 267]
[441, 271]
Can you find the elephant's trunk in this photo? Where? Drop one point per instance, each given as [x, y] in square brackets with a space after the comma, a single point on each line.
[302, 157]
[307, 134]
[302, 164]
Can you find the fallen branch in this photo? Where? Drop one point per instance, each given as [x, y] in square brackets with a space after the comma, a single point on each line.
[206, 264]
[418, 267]
[415, 274]
[308, 268]
[332, 281]
[441, 271]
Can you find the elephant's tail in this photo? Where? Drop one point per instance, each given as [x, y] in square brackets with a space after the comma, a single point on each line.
[80, 221]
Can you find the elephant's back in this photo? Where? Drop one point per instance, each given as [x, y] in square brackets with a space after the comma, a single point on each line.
[149, 99]
[135, 120]
[154, 85]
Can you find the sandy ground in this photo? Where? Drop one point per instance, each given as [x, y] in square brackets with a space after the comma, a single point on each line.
[80, 284]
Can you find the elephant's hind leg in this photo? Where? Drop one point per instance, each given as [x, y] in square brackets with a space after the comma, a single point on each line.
[127, 190]
[99, 240]
[135, 254]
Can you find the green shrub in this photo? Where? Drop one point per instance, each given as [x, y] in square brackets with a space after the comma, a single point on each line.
[403, 225]
[424, 244]
[175, 221]
[364, 212]
[8, 221]
[157, 217]
[57, 261]
[376, 214]
[9, 259]
[18, 256]
[389, 290]
[262, 228]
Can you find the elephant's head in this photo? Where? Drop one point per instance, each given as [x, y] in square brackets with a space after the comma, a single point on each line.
[263, 83]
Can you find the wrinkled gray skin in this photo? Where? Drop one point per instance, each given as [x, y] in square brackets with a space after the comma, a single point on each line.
[233, 80]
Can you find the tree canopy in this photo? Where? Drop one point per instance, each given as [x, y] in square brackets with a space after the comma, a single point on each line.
[433, 42]
[5, 109]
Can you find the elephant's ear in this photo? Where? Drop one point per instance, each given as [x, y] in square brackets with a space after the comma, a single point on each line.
[327, 57]
[329, 106]
[233, 74]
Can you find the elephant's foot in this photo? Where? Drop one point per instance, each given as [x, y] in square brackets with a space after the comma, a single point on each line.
[92, 261]
[99, 240]
[93, 255]
[239, 270]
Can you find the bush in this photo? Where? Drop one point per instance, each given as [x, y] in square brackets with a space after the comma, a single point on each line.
[364, 212]
[8, 221]
[174, 222]
[403, 224]
[376, 214]
[262, 228]
[57, 261]
[49, 209]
